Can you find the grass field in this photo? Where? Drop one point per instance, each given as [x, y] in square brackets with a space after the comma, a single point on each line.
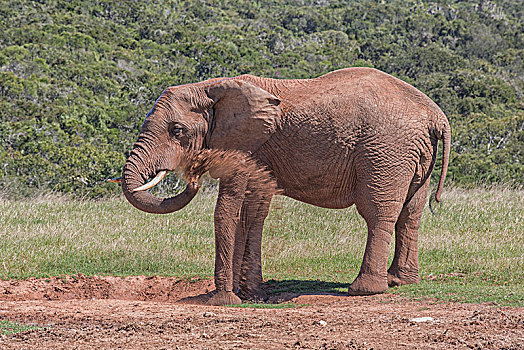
[7, 327]
[472, 250]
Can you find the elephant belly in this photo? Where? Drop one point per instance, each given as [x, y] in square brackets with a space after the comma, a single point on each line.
[321, 191]
[313, 177]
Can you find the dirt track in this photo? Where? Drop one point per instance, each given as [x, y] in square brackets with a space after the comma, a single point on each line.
[167, 313]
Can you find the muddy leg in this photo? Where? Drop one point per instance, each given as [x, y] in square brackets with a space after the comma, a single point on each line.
[240, 246]
[251, 271]
[380, 206]
[227, 217]
[404, 268]
[372, 278]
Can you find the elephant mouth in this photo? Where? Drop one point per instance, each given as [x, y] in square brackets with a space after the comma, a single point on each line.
[159, 176]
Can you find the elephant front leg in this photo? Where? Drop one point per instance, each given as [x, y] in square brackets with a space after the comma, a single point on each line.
[240, 247]
[250, 287]
[227, 219]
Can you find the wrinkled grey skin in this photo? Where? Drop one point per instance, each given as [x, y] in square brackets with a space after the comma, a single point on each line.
[353, 136]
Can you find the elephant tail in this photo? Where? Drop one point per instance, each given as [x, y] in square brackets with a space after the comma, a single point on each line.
[445, 136]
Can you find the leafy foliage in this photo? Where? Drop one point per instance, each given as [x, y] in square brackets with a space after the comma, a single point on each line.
[78, 77]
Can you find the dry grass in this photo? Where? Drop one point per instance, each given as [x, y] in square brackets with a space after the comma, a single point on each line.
[477, 230]
[56, 236]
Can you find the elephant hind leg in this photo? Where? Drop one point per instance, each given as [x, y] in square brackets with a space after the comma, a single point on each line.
[405, 265]
[372, 278]
[380, 217]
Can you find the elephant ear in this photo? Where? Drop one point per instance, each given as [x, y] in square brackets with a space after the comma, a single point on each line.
[245, 116]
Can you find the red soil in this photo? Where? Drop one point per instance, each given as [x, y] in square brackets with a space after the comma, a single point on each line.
[79, 312]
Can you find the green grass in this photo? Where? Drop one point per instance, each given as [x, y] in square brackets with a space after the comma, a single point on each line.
[7, 327]
[467, 289]
[54, 236]
[472, 250]
[268, 306]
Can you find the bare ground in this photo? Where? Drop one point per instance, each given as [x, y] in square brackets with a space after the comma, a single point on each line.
[80, 312]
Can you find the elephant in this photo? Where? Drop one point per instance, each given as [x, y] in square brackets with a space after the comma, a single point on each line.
[352, 136]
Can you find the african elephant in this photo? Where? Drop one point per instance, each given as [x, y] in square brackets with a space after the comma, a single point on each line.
[353, 136]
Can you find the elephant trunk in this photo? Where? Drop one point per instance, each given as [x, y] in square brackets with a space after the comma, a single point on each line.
[135, 175]
[220, 164]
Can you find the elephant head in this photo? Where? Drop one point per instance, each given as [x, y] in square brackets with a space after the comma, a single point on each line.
[222, 114]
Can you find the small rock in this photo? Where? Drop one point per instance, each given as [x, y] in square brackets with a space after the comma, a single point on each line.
[422, 319]
[209, 314]
[321, 323]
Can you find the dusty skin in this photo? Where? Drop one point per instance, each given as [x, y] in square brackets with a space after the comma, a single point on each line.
[80, 312]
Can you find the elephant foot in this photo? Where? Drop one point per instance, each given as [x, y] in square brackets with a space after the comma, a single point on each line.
[400, 277]
[224, 298]
[255, 294]
[366, 284]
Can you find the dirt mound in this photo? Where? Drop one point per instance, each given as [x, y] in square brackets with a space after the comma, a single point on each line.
[103, 312]
[144, 288]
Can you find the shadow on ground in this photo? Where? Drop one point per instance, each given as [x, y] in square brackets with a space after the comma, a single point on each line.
[285, 290]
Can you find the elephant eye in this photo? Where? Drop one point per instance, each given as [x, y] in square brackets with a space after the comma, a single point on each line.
[175, 131]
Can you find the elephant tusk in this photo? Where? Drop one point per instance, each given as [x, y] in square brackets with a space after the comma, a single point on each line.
[151, 183]
[116, 180]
